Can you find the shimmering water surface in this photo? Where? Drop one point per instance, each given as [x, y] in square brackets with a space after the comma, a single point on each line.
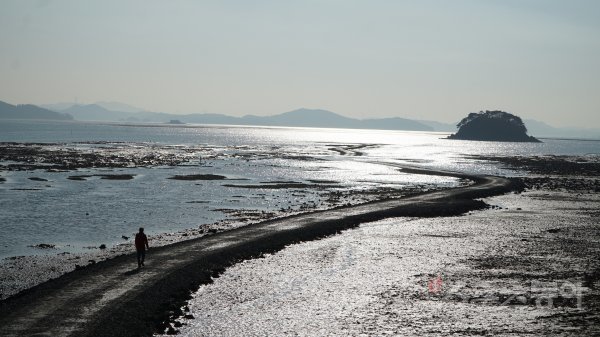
[76, 214]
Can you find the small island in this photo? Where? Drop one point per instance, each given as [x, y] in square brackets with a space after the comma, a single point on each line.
[494, 125]
[175, 121]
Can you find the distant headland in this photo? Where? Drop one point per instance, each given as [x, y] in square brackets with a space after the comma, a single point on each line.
[30, 111]
[494, 125]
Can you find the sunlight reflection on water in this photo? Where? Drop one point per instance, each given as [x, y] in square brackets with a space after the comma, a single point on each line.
[65, 212]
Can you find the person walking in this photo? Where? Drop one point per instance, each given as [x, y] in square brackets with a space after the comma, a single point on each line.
[141, 244]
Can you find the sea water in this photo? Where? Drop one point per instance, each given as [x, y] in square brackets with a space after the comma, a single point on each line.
[73, 215]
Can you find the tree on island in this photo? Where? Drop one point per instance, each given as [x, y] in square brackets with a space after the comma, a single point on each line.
[493, 126]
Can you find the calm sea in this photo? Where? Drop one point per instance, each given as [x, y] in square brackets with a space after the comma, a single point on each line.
[76, 214]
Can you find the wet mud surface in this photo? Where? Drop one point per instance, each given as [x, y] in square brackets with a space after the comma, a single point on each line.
[155, 299]
[67, 157]
[146, 304]
[565, 173]
[527, 265]
[550, 164]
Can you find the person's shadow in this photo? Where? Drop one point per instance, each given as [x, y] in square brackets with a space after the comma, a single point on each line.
[132, 272]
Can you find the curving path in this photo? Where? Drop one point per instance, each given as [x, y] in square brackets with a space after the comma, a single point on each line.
[114, 298]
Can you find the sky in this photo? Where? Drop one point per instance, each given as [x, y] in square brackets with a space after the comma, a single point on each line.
[421, 59]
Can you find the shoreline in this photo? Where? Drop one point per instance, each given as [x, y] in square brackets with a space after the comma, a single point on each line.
[111, 298]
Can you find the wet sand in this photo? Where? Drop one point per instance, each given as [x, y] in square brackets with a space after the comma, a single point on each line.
[113, 298]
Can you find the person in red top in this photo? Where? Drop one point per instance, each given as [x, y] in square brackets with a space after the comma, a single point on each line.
[141, 243]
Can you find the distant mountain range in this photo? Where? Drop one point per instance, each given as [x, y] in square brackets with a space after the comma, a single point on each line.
[113, 106]
[29, 111]
[120, 112]
[296, 118]
[541, 129]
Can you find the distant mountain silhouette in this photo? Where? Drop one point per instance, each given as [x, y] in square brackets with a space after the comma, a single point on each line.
[327, 119]
[58, 107]
[541, 129]
[305, 118]
[94, 112]
[111, 106]
[118, 106]
[109, 112]
[296, 118]
[492, 126]
[29, 111]
[439, 126]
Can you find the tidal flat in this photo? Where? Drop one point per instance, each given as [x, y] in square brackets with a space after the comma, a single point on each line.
[527, 265]
[64, 201]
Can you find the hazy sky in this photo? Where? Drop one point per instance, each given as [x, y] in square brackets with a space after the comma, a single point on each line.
[373, 58]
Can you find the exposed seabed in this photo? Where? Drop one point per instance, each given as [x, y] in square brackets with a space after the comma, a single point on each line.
[529, 265]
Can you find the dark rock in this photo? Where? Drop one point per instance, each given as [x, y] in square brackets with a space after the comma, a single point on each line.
[124, 237]
[553, 230]
[198, 177]
[278, 185]
[37, 179]
[81, 177]
[115, 176]
[102, 246]
[189, 316]
[44, 246]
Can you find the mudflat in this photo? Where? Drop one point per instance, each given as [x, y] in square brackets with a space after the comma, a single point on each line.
[115, 298]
